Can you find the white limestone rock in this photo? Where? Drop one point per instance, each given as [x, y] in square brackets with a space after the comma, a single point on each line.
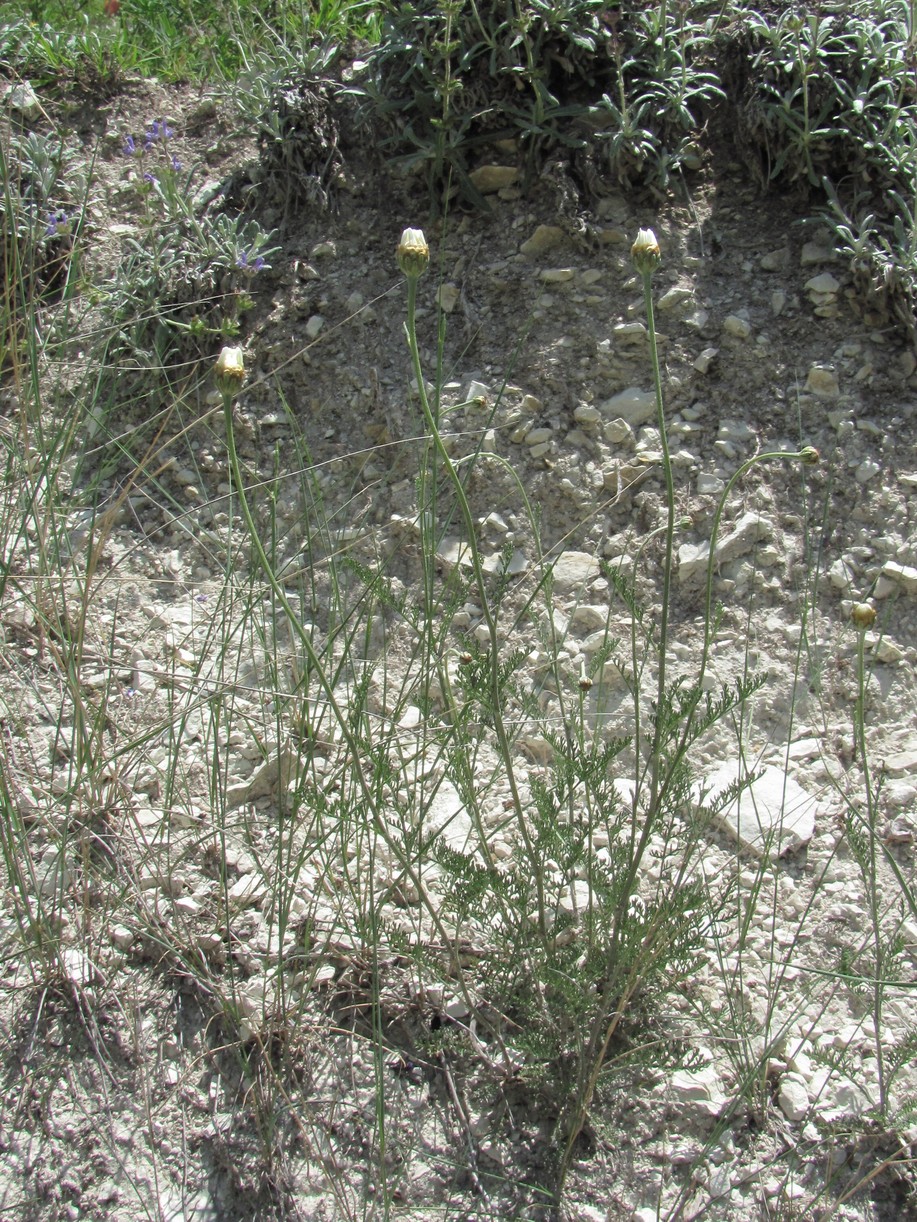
[773, 815]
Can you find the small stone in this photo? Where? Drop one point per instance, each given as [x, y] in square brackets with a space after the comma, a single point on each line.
[822, 284]
[572, 569]
[793, 1098]
[814, 253]
[491, 178]
[734, 324]
[778, 302]
[675, 296]
[588, 618]
[709, 485]
[618, 432]
[902, 575]
[822, 382]
[447, 296]
[314, 325]
[841, 574]
[247, 890]
[24, 99]
[324, 250]
[750, 529]
[585, 413]
[121, 937]
[538, 436]
[901, 762]
[775, 260]
[692, 560]
[700, 1089]
[630, 333]
[557, 275]
[80, 969]
[53, 873]
[545, 238]
[867, 470]
[774, 814]
[634, 405]
[609, 236]
[704, 362]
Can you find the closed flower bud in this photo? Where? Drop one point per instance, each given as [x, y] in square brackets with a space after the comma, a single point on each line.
[863, 615]
[810, 456]
[229, 371]
[413, 253]
[645, 252]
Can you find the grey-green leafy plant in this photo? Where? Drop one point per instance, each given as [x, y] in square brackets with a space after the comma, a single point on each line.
[832, 101]
[41, 204]
[185, 282]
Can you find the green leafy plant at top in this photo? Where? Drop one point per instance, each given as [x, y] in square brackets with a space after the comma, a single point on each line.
[184, 283]
[623, 95]
[648, 121]
[446, 81]
[832, 101]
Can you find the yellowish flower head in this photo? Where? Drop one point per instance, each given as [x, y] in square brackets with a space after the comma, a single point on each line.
[863, 616]
[645, 252]
[413, 253]
[229, 370]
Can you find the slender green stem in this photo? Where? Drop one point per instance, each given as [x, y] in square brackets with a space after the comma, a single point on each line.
[872, 880]
[373, 806]
[489, 620]
[660, 719]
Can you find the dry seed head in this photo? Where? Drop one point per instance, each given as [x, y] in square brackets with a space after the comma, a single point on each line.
[863, 616]
[645, 252]
[413, 253]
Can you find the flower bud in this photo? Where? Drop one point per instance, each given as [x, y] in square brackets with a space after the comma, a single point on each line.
[810, 456]
[413, 253]
[645, 252]
[863, 615]
[229, 371]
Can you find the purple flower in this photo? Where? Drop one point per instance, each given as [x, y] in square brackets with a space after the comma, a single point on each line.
[176, 164]
[250, 266]
[150, 178]
[58, 224]
[130, 147]
[159, 130]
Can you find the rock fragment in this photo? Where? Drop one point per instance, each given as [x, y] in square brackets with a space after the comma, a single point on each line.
[491, 178]
[822, 381]
[634, 405]
[545, 238]
[771, 816]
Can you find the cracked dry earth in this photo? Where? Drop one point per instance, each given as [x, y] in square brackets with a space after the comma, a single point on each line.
[125, 1094]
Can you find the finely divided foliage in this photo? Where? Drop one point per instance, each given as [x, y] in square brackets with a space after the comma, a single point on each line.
[523, 856]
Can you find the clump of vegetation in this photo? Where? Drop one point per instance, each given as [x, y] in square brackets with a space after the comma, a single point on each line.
[546, 943]
[830, 108]
[623, 96]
